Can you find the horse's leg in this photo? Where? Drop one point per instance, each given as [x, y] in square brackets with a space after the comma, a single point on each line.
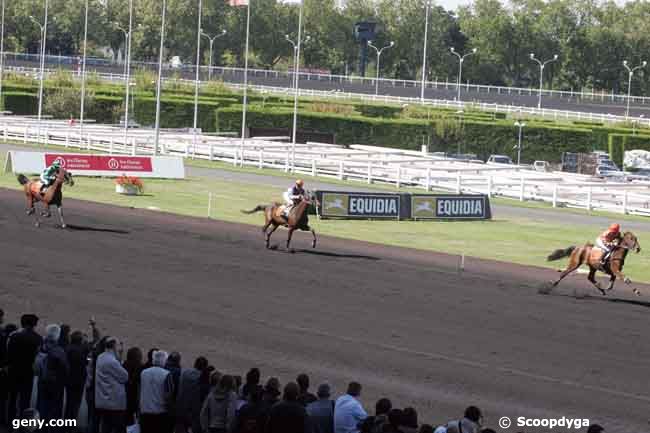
[612, 279]
[574, 263]
[291, 230]
[268, 235]
[618, 273]
[313, 244]
[60, 209]
[30, 200]
[592, 279]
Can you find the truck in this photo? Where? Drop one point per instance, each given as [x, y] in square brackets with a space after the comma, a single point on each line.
[580, 163]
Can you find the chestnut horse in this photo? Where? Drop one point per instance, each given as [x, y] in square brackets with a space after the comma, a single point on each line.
[590, 255]
[52, 195]
[298, 219]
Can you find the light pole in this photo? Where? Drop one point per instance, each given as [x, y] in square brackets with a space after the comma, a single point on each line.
[520, 125]
[243, 120]
[126, 43]
[83, 76]
[295, 53]
[542, 65]
[196, 80]
[159, 85]
[2, 50]
[42, 72]
[461, 60]
[379, 51]
[424, 57]
[296, 87]
[127, 74]
[212, 39]
[629, 82]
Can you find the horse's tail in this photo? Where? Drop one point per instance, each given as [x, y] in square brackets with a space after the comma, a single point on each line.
[558, 254]
[22, 179]
[259, 208]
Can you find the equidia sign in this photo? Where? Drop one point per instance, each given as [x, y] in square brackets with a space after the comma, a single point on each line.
[403, 206]
[98, 165]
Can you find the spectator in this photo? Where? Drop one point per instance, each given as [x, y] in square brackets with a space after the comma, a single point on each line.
[22, 348]
[110, 389]
[305, 397]
[270, 395]
[77, 354]
[205, 382]
[471, 423]
[409, 420]
[52, 370]
[149, 362]
[91, 372]
[218, 411]
[489, 430]
[348, 411]
[252, 382]
[64, 339]
[2, 320]
[595, 428]
[395, 420]
[375, 424]
[188, 400]
[4, 377]
[156, 389]
[288, 416]
[321, 412]
[133, 366]
[251, 418]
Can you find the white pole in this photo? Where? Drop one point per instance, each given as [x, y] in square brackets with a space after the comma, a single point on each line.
[40, 86]
[296, 91]
[198, 65]
[2, 48]
[128, 75]
[159, 86]
[83, 73]
[424, 57]
[243, 121]
[209, 205]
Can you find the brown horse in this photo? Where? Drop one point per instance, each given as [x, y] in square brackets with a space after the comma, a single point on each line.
[590, 255]
[298, 219]
[52, 195]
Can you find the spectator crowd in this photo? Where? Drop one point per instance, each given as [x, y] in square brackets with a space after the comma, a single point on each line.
[155, 394]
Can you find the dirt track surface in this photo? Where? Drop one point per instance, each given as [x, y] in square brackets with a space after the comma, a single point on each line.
[404, 323]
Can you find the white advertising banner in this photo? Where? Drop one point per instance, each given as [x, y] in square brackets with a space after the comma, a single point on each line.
[164, 167]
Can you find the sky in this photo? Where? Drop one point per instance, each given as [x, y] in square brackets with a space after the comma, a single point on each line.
[453, 4]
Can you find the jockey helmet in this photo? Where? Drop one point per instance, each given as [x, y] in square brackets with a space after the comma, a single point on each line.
[615, 228]
[56, 163]
[300, 183]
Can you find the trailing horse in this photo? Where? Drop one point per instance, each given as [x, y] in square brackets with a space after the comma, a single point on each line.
[592, 256]
[52, 196]
[298, 219]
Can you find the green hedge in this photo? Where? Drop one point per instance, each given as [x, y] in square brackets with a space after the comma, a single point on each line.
[20, 103]
[616, 147]
[175, 113]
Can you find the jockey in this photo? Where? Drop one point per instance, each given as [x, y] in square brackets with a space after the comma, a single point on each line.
[49, 175]
[608, 240]
[292, 196]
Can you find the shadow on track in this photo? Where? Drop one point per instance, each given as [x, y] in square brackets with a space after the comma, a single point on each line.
[580, 294]
[96, 229]
[327, 254]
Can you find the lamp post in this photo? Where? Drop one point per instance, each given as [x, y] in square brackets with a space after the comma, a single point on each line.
[424, 57]
[43, 28]
[159, 85]
[295, 54]
[127, 73]
[126, 43]
[520, 125]
[83, 74]
[196, 79]
[212, 39]
[461, 60]
[296, 89]
[379, 51]
[629, 82]
[2, 48]
[542, 65]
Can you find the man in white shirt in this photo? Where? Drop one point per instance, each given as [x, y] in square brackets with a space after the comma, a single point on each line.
[156, 390]
[348, 411]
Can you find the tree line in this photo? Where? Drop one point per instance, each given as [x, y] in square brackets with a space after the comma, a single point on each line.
[592, 38]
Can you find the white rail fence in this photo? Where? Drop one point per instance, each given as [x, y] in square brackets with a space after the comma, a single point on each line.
[366, 164]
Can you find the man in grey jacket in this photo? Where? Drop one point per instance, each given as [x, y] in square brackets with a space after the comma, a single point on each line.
[471, 422]
[110, 389]
[156, 389]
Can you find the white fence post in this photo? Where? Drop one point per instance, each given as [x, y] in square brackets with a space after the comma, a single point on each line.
[589, 192]
[209, 205]
[110, 147]
[187, 148]
[260, 163]
[234, 156]
[522, 187]
[67, 139]
[458, 183]
[134, 146]
[313, 167]
[88, 141]
[555, 190]
[428, 179]
[341, 170]
[286, 162]
[369, 172]
[398, 182]
[25, 136]
[489, 186]
[211, 150]
[625, 202]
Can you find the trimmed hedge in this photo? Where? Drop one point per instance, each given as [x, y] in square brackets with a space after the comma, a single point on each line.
[20, 103]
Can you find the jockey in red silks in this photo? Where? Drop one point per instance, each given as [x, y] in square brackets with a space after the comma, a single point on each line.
[292, 196]
[608, 240]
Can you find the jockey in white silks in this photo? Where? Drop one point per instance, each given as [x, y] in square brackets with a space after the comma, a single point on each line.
[292, 196]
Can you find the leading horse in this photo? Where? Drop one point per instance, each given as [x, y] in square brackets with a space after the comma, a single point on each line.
[52, 196]
[590, 255]
[298, 219]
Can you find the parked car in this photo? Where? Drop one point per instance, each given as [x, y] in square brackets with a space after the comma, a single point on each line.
[542, 166]
[132, 122]
[499, 159]
[607, 172]
[176, 62]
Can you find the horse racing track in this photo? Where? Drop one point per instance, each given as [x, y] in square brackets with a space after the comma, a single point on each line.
[406, 324]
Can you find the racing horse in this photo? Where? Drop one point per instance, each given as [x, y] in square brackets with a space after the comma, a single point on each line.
[52, 195]
[298, 219]
[590, 255]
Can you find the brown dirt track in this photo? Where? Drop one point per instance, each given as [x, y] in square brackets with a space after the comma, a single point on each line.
[401, 321]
